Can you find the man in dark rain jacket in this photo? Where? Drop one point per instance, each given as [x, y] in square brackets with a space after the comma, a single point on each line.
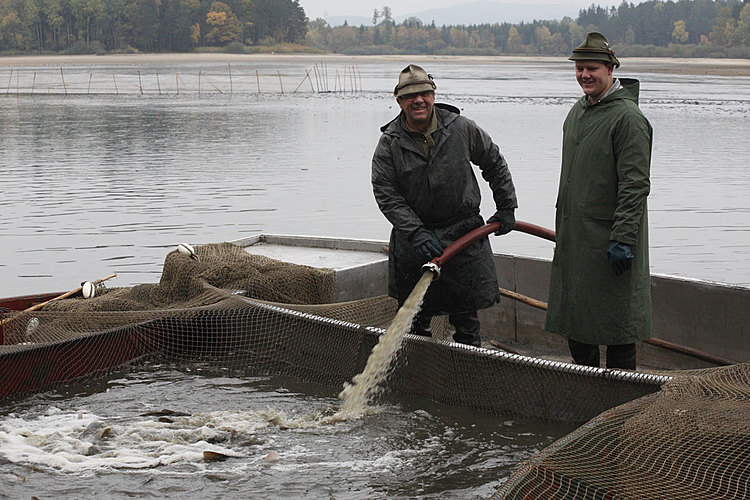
[425, 186]
[600, 291]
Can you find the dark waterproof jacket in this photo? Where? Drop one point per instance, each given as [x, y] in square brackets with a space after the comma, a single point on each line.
[604, 183]
[441, 193]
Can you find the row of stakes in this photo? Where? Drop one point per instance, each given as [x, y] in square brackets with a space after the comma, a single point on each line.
[317, 76]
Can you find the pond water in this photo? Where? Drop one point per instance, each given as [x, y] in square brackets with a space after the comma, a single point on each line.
[96, 182]
[111, 438]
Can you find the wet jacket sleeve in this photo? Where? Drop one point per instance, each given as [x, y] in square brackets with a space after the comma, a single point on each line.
[486, 155]
[387, 194]
[632, 150]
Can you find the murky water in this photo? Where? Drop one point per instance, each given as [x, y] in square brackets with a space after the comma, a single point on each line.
[102, 182]
[99, 439]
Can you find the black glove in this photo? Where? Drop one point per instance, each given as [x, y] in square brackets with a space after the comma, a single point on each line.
[620, 257]
[506, 219]
[427, 244]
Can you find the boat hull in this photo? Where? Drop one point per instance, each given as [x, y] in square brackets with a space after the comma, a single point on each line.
[288, 340]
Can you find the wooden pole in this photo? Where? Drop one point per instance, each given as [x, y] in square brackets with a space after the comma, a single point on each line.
[229, 68]
[88, 89]
[503, 347]
[307, 75]
[33, 83]
[117, 92]
[523, 298]
[177, 82]
[257, 80]
[62, 75]
[158, 85]
[59, 297]
[140, 82]
[281, 84]
[199, 83]
[315, 72]
[49, 86]
[664, 344]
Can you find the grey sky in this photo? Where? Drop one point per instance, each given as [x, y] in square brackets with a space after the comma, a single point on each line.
[325, 8]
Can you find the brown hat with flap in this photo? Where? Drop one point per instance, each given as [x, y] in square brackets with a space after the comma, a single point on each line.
[412, 80]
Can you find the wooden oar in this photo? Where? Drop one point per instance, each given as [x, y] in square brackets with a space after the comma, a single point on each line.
[664, 344]
[63, 296]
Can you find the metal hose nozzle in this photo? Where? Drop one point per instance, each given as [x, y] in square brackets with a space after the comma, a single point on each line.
[433, 267]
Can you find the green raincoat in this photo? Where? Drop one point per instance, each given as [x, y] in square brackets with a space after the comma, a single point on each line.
[604, 183]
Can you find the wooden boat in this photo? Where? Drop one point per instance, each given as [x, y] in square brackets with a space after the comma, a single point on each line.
[695, 316]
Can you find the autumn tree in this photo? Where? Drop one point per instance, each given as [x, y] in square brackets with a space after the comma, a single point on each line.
[680, 33]
[223, 25]
[742, 32]
[515, 45]
[724, 26]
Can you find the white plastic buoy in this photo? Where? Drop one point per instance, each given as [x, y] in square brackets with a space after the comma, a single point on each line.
[31, 326]
[186, 249]
[88, 290]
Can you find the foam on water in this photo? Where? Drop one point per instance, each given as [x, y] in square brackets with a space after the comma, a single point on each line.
[84, 441]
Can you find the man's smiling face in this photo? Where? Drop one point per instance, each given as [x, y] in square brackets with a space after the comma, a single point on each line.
[418, 109]
[594, 77]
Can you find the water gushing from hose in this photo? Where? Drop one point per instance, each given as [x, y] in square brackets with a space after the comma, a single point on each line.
[367, 384]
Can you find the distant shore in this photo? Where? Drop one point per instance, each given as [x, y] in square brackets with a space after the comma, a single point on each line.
[720, 67]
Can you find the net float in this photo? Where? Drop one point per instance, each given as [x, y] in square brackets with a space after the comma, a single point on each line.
[88, 290]
[186, 249]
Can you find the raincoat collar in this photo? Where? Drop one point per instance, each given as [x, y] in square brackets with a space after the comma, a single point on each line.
[630, 89]
[446, 113]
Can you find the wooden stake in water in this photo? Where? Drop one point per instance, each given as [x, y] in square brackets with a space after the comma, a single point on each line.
[367, 384]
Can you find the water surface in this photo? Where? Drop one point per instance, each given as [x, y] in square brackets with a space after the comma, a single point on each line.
[96, 182]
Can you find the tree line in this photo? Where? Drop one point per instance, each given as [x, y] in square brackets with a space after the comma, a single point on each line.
[691, 28]
[688, 28]
[146, 25]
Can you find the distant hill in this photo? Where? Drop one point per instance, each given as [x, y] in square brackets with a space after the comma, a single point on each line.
[480, 12]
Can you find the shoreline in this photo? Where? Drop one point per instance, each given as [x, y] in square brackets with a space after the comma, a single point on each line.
[701, 66]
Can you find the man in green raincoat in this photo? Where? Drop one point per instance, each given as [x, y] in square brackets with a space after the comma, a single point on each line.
[600, 290]
[424, 183]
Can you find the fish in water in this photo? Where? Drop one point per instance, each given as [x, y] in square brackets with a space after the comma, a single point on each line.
[96, 431]
[214, 456]
[165, 413]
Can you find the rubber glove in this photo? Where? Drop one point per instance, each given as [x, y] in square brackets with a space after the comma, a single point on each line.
[507, 220]
[427, 244]
[620, 257]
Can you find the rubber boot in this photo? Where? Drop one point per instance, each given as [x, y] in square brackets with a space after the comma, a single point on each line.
[467, 328]
[584, 354]
[421, 326]
[621, 356]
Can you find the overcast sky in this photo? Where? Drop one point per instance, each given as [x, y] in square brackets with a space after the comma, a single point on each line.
[325, 8]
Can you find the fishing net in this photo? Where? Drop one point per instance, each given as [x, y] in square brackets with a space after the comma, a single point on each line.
[676, 435]
[691, 440]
